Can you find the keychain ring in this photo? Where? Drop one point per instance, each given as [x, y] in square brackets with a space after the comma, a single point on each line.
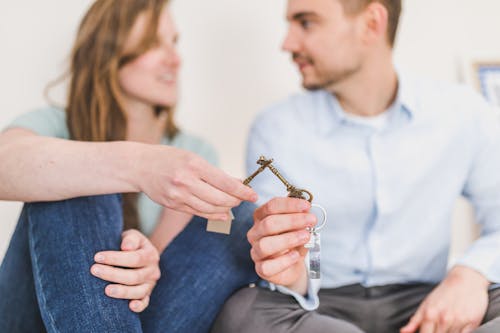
[319, 226]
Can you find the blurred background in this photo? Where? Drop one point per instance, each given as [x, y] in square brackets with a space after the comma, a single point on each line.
[233, 65]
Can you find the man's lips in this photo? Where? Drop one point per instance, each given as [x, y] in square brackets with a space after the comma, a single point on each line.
[302, 65]
[302, 62]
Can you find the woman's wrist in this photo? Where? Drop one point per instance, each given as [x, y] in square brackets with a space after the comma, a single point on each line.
[128, 160]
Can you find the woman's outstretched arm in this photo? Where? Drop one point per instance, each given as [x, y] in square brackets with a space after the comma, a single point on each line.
[37, 168]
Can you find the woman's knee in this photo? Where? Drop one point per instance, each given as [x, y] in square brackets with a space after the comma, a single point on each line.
[93, 221]
[90, 209]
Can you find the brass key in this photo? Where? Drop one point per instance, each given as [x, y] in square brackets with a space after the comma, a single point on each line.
[293, 191]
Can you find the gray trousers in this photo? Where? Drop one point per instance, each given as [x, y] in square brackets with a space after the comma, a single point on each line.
[350, 309]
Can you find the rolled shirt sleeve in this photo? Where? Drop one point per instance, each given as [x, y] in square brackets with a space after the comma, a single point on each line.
[483, 190]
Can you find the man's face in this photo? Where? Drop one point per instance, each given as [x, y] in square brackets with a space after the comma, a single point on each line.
[325, 43]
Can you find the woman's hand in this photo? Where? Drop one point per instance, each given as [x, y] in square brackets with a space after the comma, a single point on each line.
[133, 271]
[183, 181]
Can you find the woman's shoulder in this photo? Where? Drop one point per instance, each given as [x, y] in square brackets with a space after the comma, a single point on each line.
[47, 121]
[195, 144]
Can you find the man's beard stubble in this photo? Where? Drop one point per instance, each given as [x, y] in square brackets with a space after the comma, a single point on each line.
[326, 80]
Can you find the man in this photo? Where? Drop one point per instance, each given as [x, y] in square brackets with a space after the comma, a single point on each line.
[387, 156]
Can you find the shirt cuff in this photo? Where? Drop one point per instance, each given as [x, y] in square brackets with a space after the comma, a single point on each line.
[483, 257]
[310, 302]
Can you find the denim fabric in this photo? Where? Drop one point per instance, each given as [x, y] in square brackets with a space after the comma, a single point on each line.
[62, 239]
[19, 310]
[200, 270]
[45, 273]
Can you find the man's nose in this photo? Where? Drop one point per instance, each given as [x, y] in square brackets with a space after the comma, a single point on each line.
[290, 44]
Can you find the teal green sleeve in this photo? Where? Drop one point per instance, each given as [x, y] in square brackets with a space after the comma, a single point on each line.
[45, 122]
[196, 145]
[208, 152]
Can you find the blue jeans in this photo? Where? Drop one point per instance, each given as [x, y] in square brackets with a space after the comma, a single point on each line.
[46, 285]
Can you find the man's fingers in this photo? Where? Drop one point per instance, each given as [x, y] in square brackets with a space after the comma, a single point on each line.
[427, 327]
[129, 292]
[281, 206]
[271, 267]
[278, 224]
[468, 329]
[413, 324]
[274, 245]
[445, 323]
[139, 305]
[129, 277]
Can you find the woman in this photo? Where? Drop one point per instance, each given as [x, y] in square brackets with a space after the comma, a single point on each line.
[122, 139]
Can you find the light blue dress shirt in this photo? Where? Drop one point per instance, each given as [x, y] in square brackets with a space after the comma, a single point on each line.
[388, 184]
[52, 122]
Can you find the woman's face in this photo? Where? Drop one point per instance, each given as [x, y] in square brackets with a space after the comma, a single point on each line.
[151, 78]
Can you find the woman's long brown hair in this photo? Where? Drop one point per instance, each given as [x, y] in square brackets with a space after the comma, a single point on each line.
[94, 111]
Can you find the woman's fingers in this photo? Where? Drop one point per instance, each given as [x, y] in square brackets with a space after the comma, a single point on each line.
[203, 207]
[139, 305]
[212, 195]
[132, 240]
[129, 277]
[215, 216]
[137, 251]
[130, 259]
[133, 271]
[232, 186]
[129, 292]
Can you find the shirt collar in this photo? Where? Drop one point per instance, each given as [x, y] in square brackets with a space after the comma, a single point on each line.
[406, 96]
[404, 107]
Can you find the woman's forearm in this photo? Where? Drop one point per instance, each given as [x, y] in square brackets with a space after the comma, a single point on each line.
[35, 168]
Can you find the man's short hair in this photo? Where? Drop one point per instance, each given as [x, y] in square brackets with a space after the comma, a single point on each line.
[393, 8]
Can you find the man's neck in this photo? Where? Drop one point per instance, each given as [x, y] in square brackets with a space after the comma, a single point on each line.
[369, 92]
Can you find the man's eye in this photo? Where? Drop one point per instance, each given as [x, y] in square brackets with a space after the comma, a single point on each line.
[305, 24]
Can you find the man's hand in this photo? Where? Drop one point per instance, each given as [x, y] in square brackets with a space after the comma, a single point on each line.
[277, 238]
[133, 271]
[458, 304]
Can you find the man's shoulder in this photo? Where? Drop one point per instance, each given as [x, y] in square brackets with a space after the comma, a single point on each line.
[428, 95]
[426, 87]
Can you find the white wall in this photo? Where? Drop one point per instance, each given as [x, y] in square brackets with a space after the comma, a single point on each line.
[233, 66]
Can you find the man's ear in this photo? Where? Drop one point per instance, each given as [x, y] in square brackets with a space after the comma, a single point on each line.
[376, 20]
